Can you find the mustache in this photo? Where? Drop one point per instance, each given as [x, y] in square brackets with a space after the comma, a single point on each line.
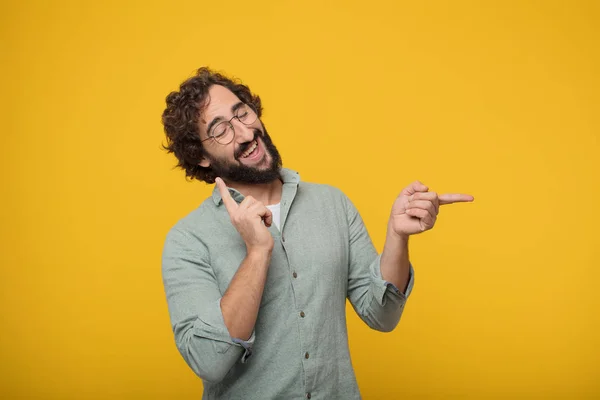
[245, 146]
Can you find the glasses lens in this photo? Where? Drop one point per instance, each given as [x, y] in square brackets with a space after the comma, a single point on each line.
[223, 133]
[246, 115]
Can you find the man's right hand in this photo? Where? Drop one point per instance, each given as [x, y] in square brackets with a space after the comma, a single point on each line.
[247, 217]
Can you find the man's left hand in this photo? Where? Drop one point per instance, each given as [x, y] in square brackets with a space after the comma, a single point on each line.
[416, 209]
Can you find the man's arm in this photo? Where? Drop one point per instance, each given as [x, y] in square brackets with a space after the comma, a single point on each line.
[395, 264]
[379, 286]
[207, 325]
[414, 211]
[241, 301]
[193, 298]
[378, 304]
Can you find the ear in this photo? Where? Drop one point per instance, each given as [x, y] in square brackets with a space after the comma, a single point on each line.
[204, 162]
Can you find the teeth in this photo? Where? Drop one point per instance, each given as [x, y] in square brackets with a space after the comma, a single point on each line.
[250, 150]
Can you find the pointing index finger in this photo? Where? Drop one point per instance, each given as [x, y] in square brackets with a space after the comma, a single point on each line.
[228, 201]
[450, 198]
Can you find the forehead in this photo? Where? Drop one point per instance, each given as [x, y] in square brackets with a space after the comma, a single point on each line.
[220, 101]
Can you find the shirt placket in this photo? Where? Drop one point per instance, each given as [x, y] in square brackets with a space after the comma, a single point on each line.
[288, 194]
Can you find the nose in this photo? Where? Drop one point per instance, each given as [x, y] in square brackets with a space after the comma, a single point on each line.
[243, 133]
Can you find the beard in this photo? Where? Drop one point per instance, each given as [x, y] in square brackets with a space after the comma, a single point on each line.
[240, 173]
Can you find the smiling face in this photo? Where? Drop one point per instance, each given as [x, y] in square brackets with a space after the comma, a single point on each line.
[249, 155]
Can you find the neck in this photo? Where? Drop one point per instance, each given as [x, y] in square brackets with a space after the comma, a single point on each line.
[266, 193]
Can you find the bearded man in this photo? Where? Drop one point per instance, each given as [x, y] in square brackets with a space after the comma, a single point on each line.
[257, 276]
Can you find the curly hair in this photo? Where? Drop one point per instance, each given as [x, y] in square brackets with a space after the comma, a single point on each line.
[180, 119]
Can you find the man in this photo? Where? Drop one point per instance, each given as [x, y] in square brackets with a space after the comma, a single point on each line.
[257, 277]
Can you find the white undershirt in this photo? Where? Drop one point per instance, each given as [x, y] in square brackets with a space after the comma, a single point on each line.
[276, 210]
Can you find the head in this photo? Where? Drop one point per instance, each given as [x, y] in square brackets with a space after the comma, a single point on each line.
[213, 127]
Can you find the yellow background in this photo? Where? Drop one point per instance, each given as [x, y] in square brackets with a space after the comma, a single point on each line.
[497, 99]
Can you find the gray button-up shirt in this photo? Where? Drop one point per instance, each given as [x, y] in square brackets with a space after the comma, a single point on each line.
[299, 347]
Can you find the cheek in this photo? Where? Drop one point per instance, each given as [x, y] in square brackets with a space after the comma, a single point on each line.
[223, 153]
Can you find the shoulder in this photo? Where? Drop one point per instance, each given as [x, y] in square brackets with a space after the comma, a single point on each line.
[190, 227]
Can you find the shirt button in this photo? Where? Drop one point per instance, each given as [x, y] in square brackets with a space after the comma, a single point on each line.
[295, 275]
[306, 355]
[302, 314]
[308, 396]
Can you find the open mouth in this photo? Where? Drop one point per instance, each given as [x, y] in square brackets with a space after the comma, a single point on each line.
[251, 150]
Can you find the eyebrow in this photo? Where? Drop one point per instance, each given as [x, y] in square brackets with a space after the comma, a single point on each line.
[216, 120]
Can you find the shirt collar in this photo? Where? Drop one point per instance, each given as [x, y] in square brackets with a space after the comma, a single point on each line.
[288, 176]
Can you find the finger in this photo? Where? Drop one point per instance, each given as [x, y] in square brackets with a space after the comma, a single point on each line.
[229, 202]
[414, 188]
[268, 218]
[248, 202]
[430, 196]
[423, 205]
[423, 215]
[455, 198]
[263, 212]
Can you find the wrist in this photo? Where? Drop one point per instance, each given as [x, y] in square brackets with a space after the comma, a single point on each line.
[259, 252]
[401, 238]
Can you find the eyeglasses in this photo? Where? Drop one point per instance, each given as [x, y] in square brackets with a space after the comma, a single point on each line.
[223, 132]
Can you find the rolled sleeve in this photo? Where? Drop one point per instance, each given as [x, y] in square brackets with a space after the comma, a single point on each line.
[378, 303]
[407, 292]
[382, 288]
[247, 345]
[194, 303]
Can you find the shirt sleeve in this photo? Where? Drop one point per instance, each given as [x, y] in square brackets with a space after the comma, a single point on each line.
[194, 303]
[409, 287]
[377, 302]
